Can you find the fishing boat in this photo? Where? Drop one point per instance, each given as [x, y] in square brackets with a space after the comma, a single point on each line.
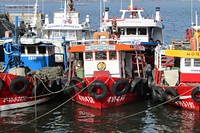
[98, 72]
[29, 75]
[134, 25]
[176, 75]
[66, 24]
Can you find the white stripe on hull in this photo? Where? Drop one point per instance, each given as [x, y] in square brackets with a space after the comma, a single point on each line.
[24, 104]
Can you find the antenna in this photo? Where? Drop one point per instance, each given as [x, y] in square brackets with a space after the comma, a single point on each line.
[192, 13]
[197, 31]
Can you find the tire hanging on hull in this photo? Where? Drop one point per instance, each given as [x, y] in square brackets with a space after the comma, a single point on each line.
[92, 90]
[171, 94]
[121, 82]
[195, 93]
[19, 85]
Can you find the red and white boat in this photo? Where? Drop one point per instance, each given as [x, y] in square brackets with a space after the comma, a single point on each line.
[177, 72]
[98, 72]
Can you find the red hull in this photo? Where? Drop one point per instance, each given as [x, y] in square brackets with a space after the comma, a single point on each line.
[110, 99]
[12, 96]
[185, 99]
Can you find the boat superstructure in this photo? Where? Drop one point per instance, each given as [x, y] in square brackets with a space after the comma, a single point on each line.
[133, 26]
[66, 24]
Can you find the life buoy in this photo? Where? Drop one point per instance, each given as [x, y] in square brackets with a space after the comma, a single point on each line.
[38, 89]
[76, 82]
[120, 87]
[195, 93]
[1, 84]
[19, 85]
[97, 89]
[171, 94]
[157, 94]
[134, 85]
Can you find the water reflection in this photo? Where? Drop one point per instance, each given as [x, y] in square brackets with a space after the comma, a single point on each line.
[73, 117]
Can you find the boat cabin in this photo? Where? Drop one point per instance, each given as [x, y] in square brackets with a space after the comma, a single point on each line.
[132, 25]
[178, 66]
[36, 56]
[104, 58]
[67, 26]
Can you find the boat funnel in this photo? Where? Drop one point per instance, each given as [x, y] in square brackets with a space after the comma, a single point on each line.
[106, 13]
[46, 19]
[158, 18]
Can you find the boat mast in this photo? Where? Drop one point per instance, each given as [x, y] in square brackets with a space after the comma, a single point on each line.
[34, 22]
[192, 13]
[197, 31]
[101, 28]
[131, 4]
[65, 11]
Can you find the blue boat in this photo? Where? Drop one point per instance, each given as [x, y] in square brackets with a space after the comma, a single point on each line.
[29, 75]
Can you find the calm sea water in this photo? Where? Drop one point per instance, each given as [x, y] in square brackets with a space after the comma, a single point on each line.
[142, 116]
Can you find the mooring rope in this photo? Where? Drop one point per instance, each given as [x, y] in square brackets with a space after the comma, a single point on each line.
[125, 117]
[41, 116]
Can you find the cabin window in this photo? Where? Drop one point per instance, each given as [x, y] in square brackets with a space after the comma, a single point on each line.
[131, 31]
[31, 50]
[42, 50]
[142, 31]
[188, 62]
[63, 33]
[55, 33]
[100, 55]
[112, 55]
[22, 49]
[196, 62]
[88, 56]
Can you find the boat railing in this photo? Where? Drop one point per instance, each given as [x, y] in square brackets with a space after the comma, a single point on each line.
[180, 44]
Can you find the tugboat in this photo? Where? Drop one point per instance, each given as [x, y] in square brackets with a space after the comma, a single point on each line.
[99, 72]
[29, 75]
[177, 74]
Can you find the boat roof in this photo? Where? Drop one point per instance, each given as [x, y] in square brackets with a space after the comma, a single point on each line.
[88, 47]
[182, 53]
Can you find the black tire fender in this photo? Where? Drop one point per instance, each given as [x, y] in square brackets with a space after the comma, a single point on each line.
[38, 89]
[195, 93]
[154, 95]
[76, 80]
[97, 84]
[171, 94]
[134, 85]
[117, 84]
[158, 94]
[19, 85]
[1, 84]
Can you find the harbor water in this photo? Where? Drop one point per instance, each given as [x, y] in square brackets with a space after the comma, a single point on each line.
[61, 115]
